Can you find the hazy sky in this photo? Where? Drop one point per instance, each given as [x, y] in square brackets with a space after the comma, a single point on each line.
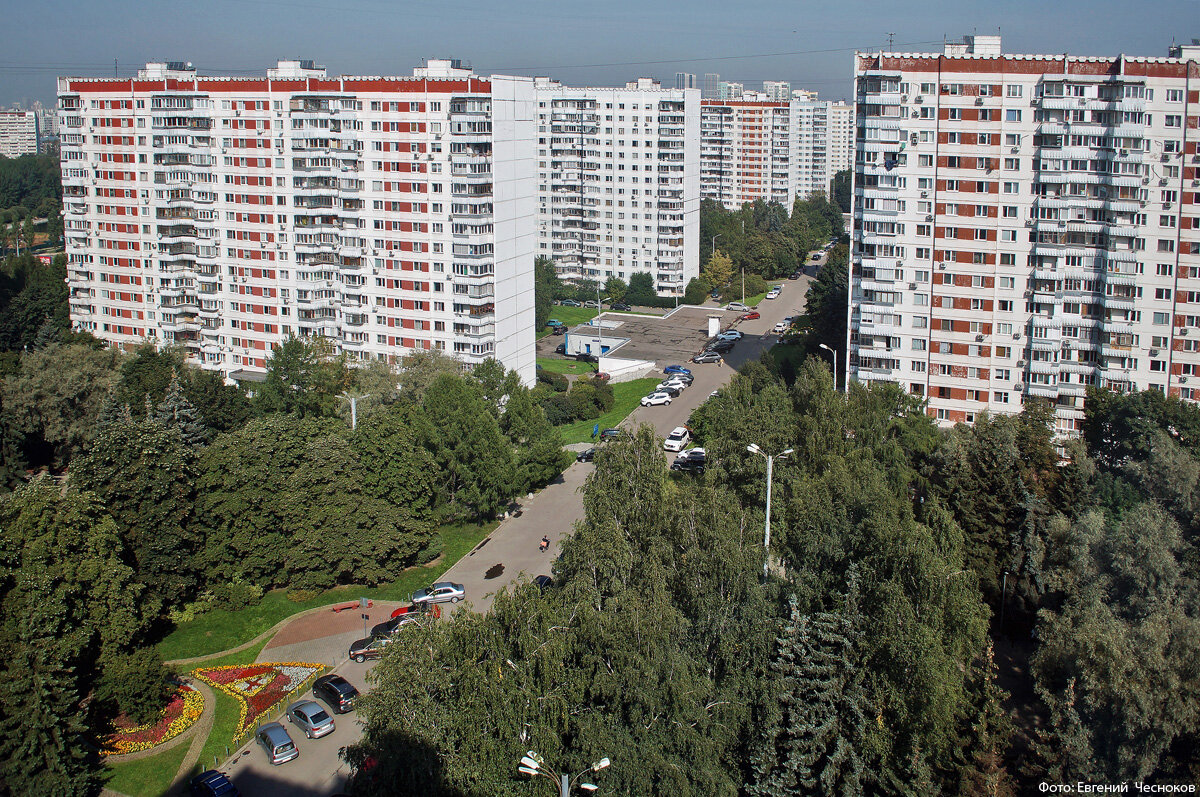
[599, 42]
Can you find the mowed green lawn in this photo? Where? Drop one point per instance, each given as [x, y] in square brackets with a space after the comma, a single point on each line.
[556, 365]
[569, 316]
[222, 629]
[150, 776]
[626, 395]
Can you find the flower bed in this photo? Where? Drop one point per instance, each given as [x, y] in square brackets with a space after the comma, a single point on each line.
[258, 688]
[185, 708]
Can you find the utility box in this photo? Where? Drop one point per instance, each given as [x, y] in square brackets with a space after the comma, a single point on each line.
[714, 325]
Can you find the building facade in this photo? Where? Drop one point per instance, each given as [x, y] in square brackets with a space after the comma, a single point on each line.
[841, 137]
[756, 148]
[1025, 225]
[686, 80]
[18, 133]
[225, 214]
[618, 173]
[712, 86]
[777, 90]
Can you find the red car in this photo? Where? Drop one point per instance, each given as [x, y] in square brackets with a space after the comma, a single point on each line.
[750, 316]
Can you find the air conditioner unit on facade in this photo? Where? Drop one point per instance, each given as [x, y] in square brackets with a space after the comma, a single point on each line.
[979, 100]
[1018, 386]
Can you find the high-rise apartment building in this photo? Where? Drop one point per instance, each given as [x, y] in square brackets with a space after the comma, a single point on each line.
[685, 80]
[619, 182]
[776, 90]
[1025, 225]
[840, 150]
[18, 133]
[224, 214]
[712, 86]
[730, 91]
[761, 149]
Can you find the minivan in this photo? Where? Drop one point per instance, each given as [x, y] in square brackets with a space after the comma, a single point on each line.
[278, 745]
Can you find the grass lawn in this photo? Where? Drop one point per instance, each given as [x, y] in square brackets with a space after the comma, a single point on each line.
[221, 629]
[627, 395]
[150, 776]
[569, 316]
[558, 366]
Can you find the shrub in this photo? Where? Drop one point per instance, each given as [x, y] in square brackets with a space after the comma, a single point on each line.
[558, 409]
[302, 595]
[234, 595]
[136, 684]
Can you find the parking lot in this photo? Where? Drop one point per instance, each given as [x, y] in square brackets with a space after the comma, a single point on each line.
[672, 338]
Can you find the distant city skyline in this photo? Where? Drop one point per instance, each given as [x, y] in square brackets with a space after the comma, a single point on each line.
[580, 45]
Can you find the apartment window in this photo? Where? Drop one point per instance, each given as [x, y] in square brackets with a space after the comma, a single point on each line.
[1164, 269]
[1162, 294]
[922, 252]
[952, 138]
[924, 160]
[927, 88]
[1162, 319]
[1007, 282]
[1174, 95]
[1166, 221]
[1171, 147]
[1012, 139]
[1166, 245]
[1012, 164]
[1008, 235]
[1012, 90]
[1172, 120]
[1010, 211]
[1012, 115]
[1012, 188]
[954, 113]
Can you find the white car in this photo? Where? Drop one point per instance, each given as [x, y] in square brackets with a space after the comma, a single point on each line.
[656, 399]
[780, 328]
[731, 334]
[667, 385]
[773, 294]
[677, 439]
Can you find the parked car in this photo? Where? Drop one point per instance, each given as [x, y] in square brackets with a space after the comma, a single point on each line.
[751, 316]
[369, 648]
[308, 716]
[416, 608]
[559, 330]
[737, 307]
[440, 592]
[560, 348]
[656, 399]
[691, 461]
[569, 303]
[338, 693]
[682, 381]
[677, 439]
[592, 303]
[722, 346]
[543, 582]
[622, 306]
[780, 328]
[731, 334]
[795, 275]
[554, 322]
[213, 784]
[773, 294]
[676, 369]
[611, 434]
[584, 357]
[391, 626]
[586, 456]
[278, 745]
[707, 356]
[673, 389]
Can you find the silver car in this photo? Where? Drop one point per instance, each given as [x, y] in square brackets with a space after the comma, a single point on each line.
[440, 592]
[279, 746]
[311, 718]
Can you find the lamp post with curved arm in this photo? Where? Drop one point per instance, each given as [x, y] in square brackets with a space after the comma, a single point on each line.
[754, 449]
[533, 765]
[835, 371]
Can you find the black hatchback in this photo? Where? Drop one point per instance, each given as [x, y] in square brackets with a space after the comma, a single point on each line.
[338, 693]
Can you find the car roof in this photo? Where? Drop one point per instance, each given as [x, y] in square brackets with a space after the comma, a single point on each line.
[444, 584]
[275, 732]
[679, 430]
[307, 706]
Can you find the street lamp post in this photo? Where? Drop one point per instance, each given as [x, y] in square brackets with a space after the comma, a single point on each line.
[754, 449]
[599, 327]
[533, 765]
[715, 237]
[353, 399]
[835, 371]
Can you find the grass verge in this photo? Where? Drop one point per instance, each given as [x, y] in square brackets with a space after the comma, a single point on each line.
[150, 776]
[222, 629]
[626, 395]
[573, 367]
[569, 316]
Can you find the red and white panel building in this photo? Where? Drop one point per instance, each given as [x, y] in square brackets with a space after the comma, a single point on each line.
[224, 214]
[1025, 225]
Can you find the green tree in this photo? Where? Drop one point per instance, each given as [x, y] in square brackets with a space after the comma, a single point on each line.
[56, 397]
[176, 413]
[303, 378]
[719, 270]
[222, 407]
[546, 288]
[146, 476]
[841, 190]
[146, 375]
[641, 289]
[537, 446]
[615, 288]
[396, 468]
[33, 303]
[419, 369]
[697, 291]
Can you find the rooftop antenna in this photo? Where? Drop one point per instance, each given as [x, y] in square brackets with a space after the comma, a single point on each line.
[891, 39]
[114, 67]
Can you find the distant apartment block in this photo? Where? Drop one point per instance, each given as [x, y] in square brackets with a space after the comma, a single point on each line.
[685, 80]
[777, 91]
[1025, 225]
[711, 87]
[841, 137]
[618, 172]
[223, 214]
[18, 133]
[755, 148]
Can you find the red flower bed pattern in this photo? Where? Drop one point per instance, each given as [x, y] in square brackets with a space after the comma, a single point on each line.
[185, 708]
[259, 687]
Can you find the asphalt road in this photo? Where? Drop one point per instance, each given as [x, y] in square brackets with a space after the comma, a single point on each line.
[510, 554]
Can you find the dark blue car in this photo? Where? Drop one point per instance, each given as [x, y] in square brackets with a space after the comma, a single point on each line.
[213, 784]
[676, 369]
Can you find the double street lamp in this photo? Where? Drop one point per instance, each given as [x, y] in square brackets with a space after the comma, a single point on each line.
[533, 765]
[754, 449]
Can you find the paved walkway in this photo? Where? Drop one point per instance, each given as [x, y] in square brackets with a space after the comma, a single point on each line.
[324, 636]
